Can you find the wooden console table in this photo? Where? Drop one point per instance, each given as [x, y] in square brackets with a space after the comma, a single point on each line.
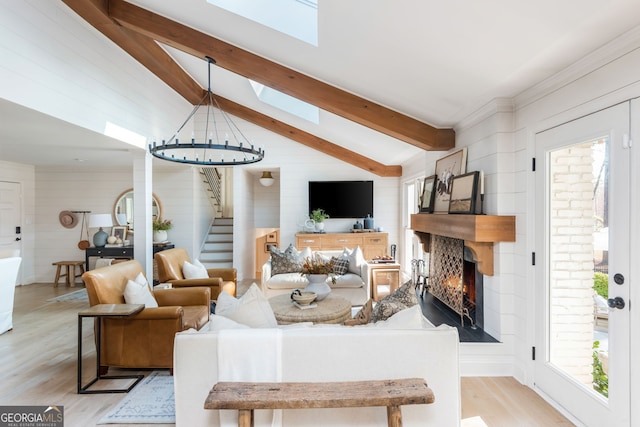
[248, 396]
[372, 244]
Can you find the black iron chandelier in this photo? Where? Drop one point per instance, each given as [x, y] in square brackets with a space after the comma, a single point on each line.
[211, 148]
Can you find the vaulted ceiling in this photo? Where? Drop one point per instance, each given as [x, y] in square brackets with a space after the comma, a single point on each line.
[140, 32]
[393, 78]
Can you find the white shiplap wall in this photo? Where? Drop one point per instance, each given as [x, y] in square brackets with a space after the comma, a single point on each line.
[56, 63]
[25, 176]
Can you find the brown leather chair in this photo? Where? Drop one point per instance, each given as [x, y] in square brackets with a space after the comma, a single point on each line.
[170, 264]
[146, 339]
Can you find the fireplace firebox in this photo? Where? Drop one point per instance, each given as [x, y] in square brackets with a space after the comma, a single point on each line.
[454, 279]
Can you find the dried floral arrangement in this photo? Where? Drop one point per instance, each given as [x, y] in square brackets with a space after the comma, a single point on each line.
[316, 265]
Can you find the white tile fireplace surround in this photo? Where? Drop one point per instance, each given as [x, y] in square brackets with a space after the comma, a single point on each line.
[461, 237]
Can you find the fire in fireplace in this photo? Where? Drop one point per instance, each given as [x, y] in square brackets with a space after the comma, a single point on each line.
[455, 280]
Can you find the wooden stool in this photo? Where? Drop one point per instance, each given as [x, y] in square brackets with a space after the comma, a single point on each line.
[248, 396]
[70, 275]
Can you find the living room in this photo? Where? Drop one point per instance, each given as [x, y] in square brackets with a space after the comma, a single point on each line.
[499, 135]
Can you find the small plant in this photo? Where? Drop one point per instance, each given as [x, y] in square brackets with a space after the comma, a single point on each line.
[162, 225]
[318, 215]
[317, 265]
[600, 378]
[601, 284]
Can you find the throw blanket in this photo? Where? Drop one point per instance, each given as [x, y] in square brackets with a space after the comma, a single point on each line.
[103, 262]
[250, 355]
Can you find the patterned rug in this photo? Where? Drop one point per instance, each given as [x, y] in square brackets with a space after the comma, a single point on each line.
[80, 295]
[150, 402]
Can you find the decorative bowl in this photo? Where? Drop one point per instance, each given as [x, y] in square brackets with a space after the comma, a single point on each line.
[303, 297]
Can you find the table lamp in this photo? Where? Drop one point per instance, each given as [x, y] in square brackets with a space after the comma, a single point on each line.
[99, 221]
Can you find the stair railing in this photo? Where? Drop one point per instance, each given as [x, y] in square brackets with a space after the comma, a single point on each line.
[213, 181]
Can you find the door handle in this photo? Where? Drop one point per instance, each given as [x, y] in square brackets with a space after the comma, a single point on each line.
[18, 239]
[616, 302]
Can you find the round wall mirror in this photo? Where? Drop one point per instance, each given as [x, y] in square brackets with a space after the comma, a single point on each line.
[123, 209]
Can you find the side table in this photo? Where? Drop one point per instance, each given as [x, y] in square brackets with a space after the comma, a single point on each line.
[385, 277]
[99, 311]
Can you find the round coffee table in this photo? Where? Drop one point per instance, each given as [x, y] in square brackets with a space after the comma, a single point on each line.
[332, 309]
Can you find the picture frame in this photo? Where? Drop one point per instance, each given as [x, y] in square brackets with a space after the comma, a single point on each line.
[119, 232]
[464, 194]
[447, 168]
[428, 194]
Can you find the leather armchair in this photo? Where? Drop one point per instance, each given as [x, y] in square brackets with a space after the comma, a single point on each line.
[146, 339]
[170, 264]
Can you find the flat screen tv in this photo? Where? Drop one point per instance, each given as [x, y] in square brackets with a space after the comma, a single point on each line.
[342, 199]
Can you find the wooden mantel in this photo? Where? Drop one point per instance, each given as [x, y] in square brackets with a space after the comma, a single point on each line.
[479, 233]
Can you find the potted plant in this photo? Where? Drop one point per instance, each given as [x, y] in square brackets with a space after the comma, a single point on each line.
[160, 228]
[318, 216]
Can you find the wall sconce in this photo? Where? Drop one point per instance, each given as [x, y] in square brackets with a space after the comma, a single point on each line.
[266, 179]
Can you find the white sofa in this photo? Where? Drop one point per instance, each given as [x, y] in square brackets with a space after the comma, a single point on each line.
[9, 268]
[329, 353]
[353, 287]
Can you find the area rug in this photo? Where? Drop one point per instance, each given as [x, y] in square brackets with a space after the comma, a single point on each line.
[80, 295]
[150, 402]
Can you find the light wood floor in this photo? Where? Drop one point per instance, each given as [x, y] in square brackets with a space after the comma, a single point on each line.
[39, 367]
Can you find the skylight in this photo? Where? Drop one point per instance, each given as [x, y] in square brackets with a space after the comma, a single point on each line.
[297, 18]
[286, 102]
[125, 135]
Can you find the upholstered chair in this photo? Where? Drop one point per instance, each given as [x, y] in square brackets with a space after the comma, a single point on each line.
[144, 340]
[170, 270]
[9, 268]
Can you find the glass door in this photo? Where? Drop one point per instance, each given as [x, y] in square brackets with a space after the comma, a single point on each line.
[582, 266]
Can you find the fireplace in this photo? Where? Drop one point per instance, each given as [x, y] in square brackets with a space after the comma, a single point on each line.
[454, 279]
[477, 234]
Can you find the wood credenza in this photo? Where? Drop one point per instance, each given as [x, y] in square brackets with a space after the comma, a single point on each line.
[372, 244]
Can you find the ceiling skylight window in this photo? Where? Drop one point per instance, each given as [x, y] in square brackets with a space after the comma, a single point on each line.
[297, 18]
[125, 135]
[286, 102]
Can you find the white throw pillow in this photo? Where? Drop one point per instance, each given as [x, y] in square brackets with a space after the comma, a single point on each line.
[356, 259]
[251, 309]
[217, 323]
[139, 293]
[140, 279]
[194, 271]
[409, 318]
[306, 253]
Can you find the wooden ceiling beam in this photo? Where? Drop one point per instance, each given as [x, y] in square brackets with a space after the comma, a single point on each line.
[156, 60]
[276, 76]
[308, 139]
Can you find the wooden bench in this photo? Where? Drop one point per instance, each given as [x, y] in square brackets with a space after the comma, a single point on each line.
[70, 274]
[248, 396]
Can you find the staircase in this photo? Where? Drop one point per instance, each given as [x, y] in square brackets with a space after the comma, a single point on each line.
[218, 248]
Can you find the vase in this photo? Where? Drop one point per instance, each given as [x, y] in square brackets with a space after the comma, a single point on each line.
[318, 284]
[160, 236]
[319, 227]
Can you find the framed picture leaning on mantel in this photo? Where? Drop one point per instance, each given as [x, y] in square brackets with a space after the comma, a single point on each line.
[428, 194]
[447, 168]
[464, 194]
